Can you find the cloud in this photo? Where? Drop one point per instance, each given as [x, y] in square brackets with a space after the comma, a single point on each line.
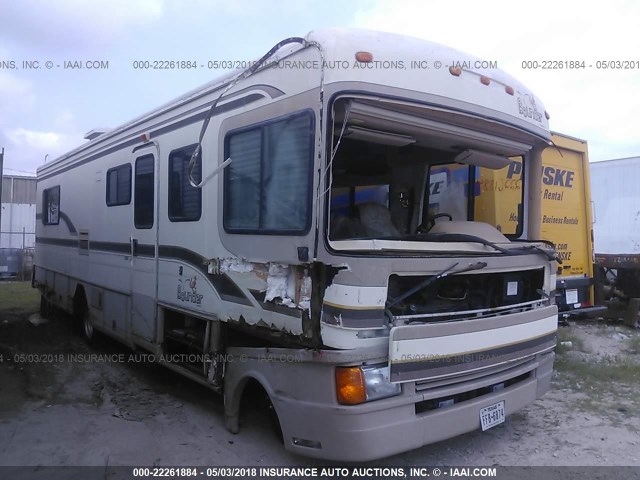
[74, 25]
[491, 29]
[26, 149]
[597, 105]
[16, 95]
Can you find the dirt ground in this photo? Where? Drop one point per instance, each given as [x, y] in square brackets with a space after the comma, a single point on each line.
[59, 406]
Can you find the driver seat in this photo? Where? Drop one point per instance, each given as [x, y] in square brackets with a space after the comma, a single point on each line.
[376, 220]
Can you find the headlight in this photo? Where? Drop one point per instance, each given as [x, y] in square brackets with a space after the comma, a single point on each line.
[356, 385]
[377, 384]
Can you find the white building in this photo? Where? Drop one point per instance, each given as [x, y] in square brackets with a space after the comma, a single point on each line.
[18, 226]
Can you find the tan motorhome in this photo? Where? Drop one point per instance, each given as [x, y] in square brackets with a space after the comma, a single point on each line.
[227, 233]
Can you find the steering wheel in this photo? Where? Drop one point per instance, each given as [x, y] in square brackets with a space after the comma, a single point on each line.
[431, 221]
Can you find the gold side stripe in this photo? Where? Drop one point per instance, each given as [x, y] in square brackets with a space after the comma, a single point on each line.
[346, 307]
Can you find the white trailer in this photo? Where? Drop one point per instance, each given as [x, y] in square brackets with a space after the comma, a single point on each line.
[614, 189]
[316, 255]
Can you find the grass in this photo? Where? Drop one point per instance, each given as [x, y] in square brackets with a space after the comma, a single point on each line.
[566, 335]
[18, 298]
[597, 375]
[633, 345]
[609, 387]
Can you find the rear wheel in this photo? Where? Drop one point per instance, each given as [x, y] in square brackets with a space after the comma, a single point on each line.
[45, 307]
[87, 327]
[82, 317]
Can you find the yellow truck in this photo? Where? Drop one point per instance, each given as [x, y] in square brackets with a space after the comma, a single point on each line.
[566, 215]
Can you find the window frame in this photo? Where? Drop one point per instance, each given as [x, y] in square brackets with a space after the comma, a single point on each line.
[262, 126]
[108, 182]
[153, 184]
[45, 208]
[174, 218]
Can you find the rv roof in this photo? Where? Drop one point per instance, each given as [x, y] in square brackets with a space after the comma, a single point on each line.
[397, 61]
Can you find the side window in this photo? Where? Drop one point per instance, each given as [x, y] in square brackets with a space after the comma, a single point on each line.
[51, 206]
[185, 201]
[267, 186]
[143, 197]
[119, 185]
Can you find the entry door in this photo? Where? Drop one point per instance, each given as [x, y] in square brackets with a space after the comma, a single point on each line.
[143, 244]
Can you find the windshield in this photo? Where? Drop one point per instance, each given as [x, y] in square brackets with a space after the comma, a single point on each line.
[397, 186]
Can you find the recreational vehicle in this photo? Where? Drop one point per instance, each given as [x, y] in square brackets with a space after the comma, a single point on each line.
[286, 227]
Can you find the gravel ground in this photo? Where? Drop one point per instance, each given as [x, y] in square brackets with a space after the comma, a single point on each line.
[105, 412]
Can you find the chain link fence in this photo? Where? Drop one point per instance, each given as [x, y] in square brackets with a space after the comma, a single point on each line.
[16, 254]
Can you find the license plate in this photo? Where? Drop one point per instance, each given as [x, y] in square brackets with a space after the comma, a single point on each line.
[492, 415]
[4, 268]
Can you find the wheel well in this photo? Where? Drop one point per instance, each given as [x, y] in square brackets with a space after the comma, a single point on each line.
[254, 398]
[80, 304]
[252, 393]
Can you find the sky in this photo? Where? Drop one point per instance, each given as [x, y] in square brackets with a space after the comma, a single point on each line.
[45, 112]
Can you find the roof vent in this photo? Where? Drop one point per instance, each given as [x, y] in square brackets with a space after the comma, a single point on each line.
[95, 133]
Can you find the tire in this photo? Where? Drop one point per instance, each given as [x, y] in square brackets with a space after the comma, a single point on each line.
[274, 421]
[87, 330]
[45, 307]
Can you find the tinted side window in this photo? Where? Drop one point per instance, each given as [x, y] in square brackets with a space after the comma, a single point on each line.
[51, 206]
[243, 178]
[185, 201]
[268, 183]
[144, 187]
[119, 185]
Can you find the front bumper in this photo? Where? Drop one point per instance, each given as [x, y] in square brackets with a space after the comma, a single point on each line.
[385, 427]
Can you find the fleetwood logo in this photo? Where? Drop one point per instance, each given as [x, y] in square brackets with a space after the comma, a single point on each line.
[529, 109]
[187, 291]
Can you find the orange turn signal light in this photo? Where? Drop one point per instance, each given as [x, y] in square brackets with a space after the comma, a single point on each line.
[350, 385]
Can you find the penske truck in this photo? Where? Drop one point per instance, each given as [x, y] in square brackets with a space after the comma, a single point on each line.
[566, 216]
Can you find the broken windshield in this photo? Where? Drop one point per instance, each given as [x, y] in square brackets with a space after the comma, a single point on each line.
[396, 186]
[395, 173]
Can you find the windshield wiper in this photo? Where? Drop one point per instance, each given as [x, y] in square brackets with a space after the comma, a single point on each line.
[437, 276]
[544, 252]
[463, 237]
